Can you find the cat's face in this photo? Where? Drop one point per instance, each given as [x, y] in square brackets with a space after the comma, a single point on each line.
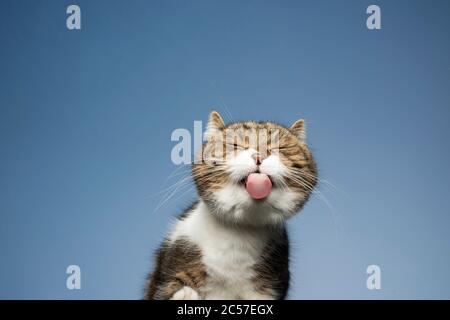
[252, 173]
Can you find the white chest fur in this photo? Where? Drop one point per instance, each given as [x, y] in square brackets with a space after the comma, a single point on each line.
[229, 254]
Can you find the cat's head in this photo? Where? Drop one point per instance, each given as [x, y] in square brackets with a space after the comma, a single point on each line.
[254, 173]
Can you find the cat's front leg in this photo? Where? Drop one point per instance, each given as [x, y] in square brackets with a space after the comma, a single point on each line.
[186, 293]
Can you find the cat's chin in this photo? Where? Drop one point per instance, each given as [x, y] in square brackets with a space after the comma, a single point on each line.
[235, 205]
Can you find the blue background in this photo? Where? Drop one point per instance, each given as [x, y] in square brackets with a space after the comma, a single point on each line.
[86, 118]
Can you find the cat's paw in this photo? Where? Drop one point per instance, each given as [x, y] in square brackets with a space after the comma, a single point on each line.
[185, 293]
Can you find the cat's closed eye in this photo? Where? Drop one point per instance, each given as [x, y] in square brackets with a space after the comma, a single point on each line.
[235, 145]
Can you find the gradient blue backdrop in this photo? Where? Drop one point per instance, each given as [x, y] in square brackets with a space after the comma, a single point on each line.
[86, 118]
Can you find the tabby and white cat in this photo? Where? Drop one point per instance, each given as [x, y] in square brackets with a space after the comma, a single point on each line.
[232, 243]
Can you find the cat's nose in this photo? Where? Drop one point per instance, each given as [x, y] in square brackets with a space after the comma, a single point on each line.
[257, 157]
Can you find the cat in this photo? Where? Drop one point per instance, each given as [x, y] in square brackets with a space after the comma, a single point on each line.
[232, 243]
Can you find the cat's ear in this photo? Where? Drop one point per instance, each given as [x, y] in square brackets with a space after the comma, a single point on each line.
[215, 124]
[298, 128]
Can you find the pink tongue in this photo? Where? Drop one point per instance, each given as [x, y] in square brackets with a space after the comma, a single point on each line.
[258, 185]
